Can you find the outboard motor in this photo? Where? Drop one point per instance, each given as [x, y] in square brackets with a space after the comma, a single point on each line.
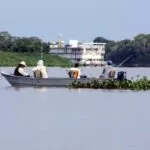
[83, 76]
[121, 75]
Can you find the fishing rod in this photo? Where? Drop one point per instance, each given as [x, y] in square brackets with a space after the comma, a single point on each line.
[41, 50]
[125, 60]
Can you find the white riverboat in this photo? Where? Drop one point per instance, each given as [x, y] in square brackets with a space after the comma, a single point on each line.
[88, 54]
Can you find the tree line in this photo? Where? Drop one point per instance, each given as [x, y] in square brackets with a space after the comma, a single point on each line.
[9, 43]
[138, 48]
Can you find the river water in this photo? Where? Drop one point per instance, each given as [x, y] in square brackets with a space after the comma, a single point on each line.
[74, 119]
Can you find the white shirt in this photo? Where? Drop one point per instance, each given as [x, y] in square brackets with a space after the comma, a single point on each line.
[21, 70]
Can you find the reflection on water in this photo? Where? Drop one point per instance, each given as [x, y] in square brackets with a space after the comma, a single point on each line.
[22, 88]
[40, 89]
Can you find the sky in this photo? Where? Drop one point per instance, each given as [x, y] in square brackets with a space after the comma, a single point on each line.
[82, 20]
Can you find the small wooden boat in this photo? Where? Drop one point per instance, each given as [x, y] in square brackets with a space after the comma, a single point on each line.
[51, 82]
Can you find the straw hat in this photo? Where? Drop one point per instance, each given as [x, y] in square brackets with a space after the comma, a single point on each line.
[23, 63]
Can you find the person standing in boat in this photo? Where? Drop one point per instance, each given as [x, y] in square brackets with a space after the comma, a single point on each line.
[19, 70]
[40, 71]
[109, 71]
[74, 72]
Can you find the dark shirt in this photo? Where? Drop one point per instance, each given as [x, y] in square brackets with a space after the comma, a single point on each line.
[16, 72]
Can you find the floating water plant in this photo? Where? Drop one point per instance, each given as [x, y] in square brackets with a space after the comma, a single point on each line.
[139, 84]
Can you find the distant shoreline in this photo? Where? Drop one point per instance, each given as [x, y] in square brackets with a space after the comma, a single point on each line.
[11, 59]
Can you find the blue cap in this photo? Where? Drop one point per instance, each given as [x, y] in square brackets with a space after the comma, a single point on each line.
[109, 62]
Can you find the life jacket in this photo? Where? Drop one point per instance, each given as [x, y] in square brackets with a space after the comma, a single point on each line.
[37, 73]
[111, 74]
[108, 72]
[73, 74]
[16, 72]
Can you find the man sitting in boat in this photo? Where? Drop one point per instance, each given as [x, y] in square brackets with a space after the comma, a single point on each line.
[109, 71]
[40, 70]
[74, 72]
[19, 70]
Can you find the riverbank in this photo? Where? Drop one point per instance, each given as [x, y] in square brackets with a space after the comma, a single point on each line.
[12, 59]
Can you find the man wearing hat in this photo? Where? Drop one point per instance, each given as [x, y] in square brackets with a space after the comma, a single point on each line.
[108, 71]
[74, 72]
[40, 70]
[19, 70]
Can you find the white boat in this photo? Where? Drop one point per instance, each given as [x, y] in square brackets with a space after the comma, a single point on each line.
[46, 82]
[87, 54]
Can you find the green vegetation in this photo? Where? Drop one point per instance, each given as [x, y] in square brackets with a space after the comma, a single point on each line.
[15, 49]
[12, 59]
[140, 84]
[9, 43]
[139, 48]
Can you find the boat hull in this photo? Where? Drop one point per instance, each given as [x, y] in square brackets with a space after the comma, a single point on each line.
[51, 82]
